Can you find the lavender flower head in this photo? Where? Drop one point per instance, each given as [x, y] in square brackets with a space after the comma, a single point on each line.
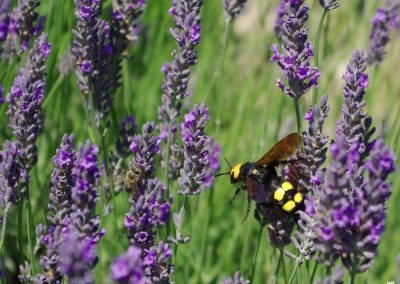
[237, 279]
[149, 209]
[128, 268]
[59, 207]
[23, 24]
[351, 219]
[296, 52]
[11, 173]
[77, 258]
[25, 102]
[86, 176]
[233, 8]
[196, 163]
[385, 20]
[329, 4]
[156, 266]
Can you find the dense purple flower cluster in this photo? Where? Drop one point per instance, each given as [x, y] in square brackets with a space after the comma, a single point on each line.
[25, 102]
[20, 26]
[128, 268]
[59, 208]
[196, 164]
[156, 263]
[149, 209]
[187, 34]
[385, 20]
[296, 52]
[233, 8]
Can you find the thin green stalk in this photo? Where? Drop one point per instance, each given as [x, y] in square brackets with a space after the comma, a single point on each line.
[20, 229]
[284, 267]
[179, 229]
[317, 39]
[3, 229]
[278, 265]
[313, 272]
[167, 153]
[253, 267]
[221, 76]
[294, 273]
[298, 115]
[53, 90]
[29, 223]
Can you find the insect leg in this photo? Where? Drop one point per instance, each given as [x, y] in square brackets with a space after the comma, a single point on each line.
[247, 210]
[234, 196]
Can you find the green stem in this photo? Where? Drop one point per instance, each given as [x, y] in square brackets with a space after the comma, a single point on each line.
[314, 272]
[298, 115]
[29, 222]
[179, 230]
[284, 267]
[167, 153]
[20, 229]
[294, 273]
[53, 90]
[317, 40]
[221, 76]
[253, 267]
[278, 265]
[3, 229]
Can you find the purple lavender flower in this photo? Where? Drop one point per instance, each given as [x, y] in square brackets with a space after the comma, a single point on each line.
[385, 20]
[1, 94]
[25, 102]
[314, 154]
[12, 176]
[4, 19]
[214, 151]
[24, 23]
[149, 209]
[59, 208]
[196, 164]
[279, 19]
[77, 258]
[83, 221]
[128, 268]
[297, 52]
[351, 219]
[233, 8]
[90, 49]
[237, 279]
[156, 267]
[187, 34]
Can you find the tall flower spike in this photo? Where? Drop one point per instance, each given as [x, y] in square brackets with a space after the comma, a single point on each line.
[233, 8]
[296, 52]
[24, 24]
[12, 176]
[128, 268]
[196, 163]
[385, 20]
[91, 53]
[315, 149]
[59, 208]
[25, 102]
[187, 34]
[156, 267]
[83, 221]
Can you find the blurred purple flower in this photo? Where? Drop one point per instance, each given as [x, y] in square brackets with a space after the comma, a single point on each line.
[329, 4]
[196, 143]
[279, 18]
[214, 151]
[296, 52]
[385, 20]
[1, 94]
[4, 19]
[128, 268]
[237, 279]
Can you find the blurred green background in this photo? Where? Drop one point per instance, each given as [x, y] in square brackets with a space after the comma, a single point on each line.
[252, 112]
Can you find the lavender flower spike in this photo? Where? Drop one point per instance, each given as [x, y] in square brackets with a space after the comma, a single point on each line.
[25, 102]
[91, 53]
[296, 52]
[385, 20]
[237, 279]
[233, 8]
[59, 208]
[156, 267]
[128, 268]
[193, 175]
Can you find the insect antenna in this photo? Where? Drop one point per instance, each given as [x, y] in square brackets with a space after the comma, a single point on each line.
[229, 165]
[227, 173]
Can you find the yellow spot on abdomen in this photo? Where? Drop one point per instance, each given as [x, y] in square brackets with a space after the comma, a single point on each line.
[279, 194]
[289, 206]
[287, 186]
[298, 197]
